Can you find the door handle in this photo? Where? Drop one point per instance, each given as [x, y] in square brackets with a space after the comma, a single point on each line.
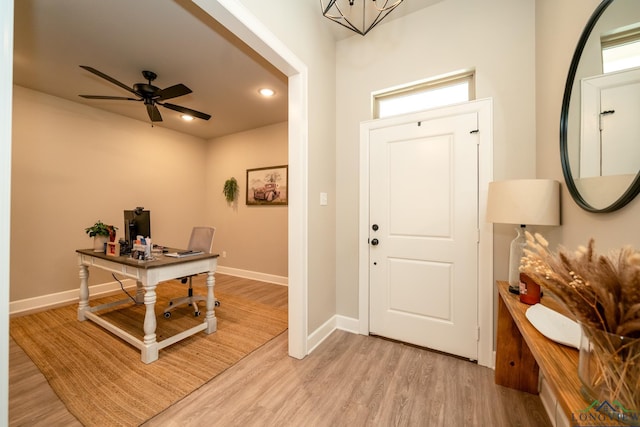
[374, 242]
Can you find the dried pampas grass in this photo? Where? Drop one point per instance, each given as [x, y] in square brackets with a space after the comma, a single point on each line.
[603, 293]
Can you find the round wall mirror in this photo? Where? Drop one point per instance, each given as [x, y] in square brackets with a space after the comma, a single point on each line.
[600, 118]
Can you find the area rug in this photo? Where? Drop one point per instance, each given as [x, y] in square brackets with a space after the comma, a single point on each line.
[101, 379]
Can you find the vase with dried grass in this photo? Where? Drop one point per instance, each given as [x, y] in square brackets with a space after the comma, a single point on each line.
[609, 368]
[603, 293]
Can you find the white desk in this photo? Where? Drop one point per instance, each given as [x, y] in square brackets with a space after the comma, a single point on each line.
[147, 275]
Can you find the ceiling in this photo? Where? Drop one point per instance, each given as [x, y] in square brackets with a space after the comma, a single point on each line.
[172, 38]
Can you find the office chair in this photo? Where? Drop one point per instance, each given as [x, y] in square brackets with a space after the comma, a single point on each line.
[201, 240]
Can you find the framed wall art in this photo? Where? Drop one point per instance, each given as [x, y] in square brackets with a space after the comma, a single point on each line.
[267, 186]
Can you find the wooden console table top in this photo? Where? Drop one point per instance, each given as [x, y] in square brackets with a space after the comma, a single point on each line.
[521, 350]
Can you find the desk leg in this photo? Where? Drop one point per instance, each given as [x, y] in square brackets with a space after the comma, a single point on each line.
[139, 292]
[212, 322]
[515, 365]
[84, 292]
[150, 345]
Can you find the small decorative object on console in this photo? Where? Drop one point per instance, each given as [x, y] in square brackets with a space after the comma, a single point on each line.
[529, 290]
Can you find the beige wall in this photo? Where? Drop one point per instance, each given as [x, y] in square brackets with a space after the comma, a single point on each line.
[496, 37]
[558, 28]
[73, 165]
[301, 28]
[253, 237]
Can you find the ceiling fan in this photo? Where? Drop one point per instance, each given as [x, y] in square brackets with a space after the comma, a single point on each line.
[149, 94]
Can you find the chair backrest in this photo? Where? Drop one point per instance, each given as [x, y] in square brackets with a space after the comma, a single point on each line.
[202, 239]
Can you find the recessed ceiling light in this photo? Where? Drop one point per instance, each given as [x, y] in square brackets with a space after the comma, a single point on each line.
[187, 117]
[267, 92]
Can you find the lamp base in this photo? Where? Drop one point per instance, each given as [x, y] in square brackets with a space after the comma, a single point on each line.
[515, 254]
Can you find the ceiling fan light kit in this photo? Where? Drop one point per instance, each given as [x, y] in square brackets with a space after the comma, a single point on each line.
[150, 95]
[358, 15]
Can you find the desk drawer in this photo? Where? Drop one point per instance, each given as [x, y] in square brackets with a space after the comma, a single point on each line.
[127, 270]
[131, 271]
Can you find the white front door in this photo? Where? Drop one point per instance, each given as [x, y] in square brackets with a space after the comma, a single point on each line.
[423, 233]
[620, 127]
[610, 125]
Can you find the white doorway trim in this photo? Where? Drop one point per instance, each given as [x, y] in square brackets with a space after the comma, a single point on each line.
[484, 108]
[239, 20]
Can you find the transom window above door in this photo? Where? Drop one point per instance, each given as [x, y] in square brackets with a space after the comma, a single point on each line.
[431, 93]
[621, 49]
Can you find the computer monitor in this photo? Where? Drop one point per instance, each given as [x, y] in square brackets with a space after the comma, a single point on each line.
[137, 222]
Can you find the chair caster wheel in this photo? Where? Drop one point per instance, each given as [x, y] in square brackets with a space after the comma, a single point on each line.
[167, 314]
[196, 314]
[217, 303]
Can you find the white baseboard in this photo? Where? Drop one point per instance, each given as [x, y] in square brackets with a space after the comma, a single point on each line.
[348, 324]
[342, 323]
[254, 275]
[316, 337]
[45, 302]
[550, 403]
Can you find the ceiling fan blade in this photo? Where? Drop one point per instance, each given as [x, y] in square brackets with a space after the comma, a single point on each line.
[154, 113]
[174, 91]
[108, 78]
[123, 98]
[185, 110]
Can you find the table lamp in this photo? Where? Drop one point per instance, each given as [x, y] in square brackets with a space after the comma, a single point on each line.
[524, 202]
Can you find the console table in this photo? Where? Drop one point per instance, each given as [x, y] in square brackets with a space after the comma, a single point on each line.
[147, 275]
[522, 352]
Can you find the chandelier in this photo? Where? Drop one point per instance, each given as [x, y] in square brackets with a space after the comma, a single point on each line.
[358, 15]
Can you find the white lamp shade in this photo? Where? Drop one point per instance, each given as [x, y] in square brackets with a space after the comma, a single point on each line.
[524, 202]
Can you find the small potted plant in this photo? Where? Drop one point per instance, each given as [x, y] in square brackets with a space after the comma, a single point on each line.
[101, 233]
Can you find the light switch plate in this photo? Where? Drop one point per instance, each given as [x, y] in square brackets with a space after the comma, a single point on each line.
[323, 199]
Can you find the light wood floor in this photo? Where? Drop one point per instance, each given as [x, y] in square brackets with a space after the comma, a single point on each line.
[349, 380]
